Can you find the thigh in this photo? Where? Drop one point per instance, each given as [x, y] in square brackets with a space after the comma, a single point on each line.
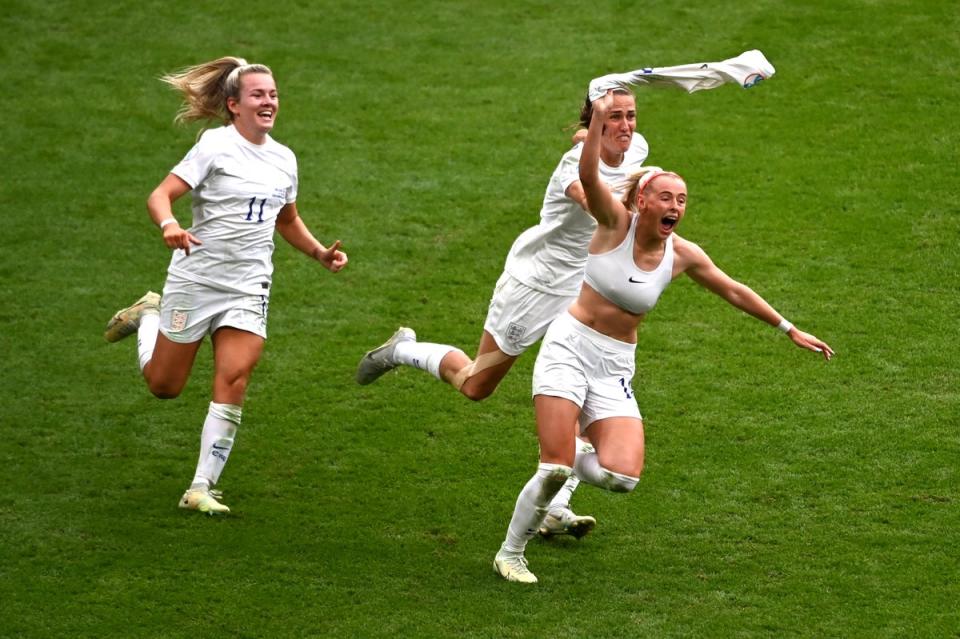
[556, 429]
[169, 367]
[235, 354]
[619, 443]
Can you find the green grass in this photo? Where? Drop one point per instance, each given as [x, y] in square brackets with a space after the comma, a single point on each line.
[782, 496]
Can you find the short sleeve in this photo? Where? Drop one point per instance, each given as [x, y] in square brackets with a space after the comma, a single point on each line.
[639, 149]
[195, 165]
[294, 181]
[569, 170]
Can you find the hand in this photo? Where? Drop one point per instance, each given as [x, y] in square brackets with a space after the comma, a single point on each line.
[601, 106]
[331, 257]
[177, 238]
[810, 342]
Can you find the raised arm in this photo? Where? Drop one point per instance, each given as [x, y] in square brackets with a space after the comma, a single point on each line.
[601, 203]
[701, 269]
[295, 232]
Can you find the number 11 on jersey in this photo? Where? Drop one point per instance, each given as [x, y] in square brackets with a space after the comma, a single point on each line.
[252, 202]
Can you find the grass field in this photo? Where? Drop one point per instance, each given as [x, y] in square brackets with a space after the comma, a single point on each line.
[782, 496]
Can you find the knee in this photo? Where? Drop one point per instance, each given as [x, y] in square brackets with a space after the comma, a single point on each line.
[231, 387]
[477, 379]
[165, 390]
[476, 392]
[163, 387]
[618, 483]
[236, 384]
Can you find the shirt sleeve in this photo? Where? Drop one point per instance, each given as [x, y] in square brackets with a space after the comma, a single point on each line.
[569, 170]
[294, 181]
[195, 165]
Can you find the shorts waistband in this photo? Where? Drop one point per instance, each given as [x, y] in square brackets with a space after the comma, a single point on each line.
[604, 341]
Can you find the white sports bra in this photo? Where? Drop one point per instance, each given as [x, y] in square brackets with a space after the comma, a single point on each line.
[617, 277]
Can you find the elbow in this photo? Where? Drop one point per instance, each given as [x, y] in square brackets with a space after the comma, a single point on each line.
[156, 199]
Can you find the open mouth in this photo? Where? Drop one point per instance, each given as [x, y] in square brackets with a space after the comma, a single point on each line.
[265, 114]
[668, 222]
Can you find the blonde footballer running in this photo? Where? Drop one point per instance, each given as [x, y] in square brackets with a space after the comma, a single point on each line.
[244, 187]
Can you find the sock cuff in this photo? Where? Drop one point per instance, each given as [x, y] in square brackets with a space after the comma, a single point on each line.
[423, 355]
[554, 470]
[625, 478]
[230, 412]
[622, 483]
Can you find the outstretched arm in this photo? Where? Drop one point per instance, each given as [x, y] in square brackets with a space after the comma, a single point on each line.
[704, 272]
[295, 232]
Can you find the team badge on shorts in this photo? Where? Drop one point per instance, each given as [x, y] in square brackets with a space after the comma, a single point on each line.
[178, 321]
[515, 332]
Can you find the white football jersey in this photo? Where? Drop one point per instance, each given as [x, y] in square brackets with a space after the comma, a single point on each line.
[238, 190]
[551, 256]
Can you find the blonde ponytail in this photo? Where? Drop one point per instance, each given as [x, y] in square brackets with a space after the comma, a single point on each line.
[206, 87]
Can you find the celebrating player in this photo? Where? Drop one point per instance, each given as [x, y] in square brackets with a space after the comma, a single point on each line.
[541, 278]
[244, 185]
[585, 366]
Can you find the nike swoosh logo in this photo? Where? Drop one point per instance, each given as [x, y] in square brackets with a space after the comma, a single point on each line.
[637, 281]
[220, 447]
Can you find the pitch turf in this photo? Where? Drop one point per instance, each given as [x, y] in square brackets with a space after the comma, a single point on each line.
[782, 496]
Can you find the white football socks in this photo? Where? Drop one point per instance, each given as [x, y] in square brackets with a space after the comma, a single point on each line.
[532, 503]
[562, 499]
[588, 468]
[216, 442]
[147, 337]
[422, 355]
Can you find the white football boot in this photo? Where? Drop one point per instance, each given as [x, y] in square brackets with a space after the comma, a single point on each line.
[566, 522]
[380, 360]
[204, 501]
[513, 567]
[126, 321]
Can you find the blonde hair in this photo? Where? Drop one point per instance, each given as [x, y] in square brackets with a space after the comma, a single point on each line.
[207, 86]
[640, 181]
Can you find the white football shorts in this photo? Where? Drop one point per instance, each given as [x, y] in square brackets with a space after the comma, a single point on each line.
[518, 316]
[590, 369]
[189, 310]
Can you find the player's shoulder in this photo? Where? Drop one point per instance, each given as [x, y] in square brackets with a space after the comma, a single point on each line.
[215, 140]
[638, 148]
[282, 150]
[573, 153]
[215, 135]
[682, 246]
[688, 254]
